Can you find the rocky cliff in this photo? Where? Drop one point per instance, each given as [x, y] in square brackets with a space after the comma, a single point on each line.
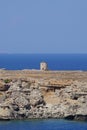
[53, 96]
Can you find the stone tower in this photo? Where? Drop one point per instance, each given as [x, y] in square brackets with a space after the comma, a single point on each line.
[43, 66]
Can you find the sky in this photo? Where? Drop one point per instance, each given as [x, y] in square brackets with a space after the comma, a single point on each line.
[43, 26]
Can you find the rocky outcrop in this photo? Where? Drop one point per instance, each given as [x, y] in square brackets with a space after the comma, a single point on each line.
[3, 86]
[5, 113]
[36, 97]
[42, 98]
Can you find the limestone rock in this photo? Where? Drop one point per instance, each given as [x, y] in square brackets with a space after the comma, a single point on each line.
[5, 113]
[2, 97]
[27, 99]
[36, 97]
[15, 87]
[21, 101]
[3, 86]
[26, 84]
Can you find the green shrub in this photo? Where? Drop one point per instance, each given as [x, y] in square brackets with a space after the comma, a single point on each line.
[7, 80]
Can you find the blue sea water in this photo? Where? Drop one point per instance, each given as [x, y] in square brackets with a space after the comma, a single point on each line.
[55, 61]
[50, 124]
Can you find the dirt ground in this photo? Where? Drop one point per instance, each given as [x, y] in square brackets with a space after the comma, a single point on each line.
[37, 74]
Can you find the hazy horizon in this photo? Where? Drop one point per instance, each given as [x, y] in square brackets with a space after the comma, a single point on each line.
[48, 53]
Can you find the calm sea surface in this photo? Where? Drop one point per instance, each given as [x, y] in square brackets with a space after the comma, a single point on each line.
[55, 62]
[49, 124]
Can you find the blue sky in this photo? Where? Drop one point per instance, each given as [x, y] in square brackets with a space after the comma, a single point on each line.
[43, 26]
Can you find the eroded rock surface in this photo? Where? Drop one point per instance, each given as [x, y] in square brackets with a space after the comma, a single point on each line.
[43, 98]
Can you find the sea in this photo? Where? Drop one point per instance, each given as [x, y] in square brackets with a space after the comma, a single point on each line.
[55, 62]
[49, 124]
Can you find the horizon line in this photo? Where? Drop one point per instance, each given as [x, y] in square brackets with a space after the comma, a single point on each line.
[40, 53]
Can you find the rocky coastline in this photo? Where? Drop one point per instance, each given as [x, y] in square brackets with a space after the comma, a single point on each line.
[43, 95]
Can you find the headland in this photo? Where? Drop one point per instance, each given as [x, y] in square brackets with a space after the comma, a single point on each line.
[26, 94]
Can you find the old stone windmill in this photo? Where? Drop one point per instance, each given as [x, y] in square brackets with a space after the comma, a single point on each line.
[43, 66]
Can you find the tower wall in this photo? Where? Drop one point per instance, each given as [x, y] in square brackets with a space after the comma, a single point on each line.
[43, 66]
